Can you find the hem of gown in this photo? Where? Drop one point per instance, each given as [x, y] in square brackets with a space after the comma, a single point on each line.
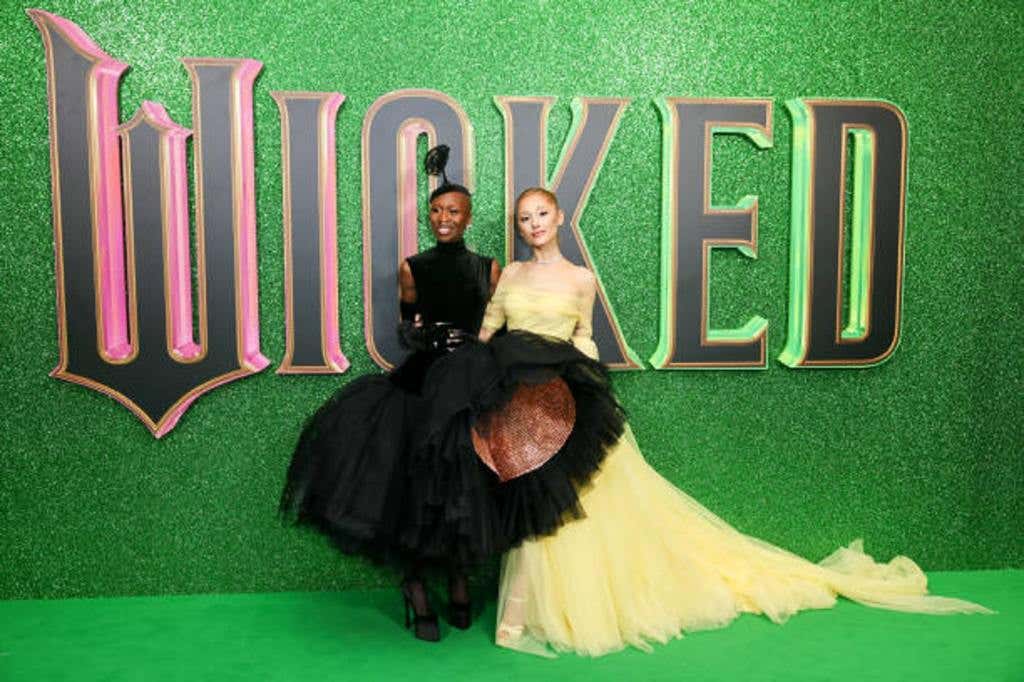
[650, 563]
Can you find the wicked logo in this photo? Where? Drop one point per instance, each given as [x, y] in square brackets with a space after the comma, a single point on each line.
[124, 261]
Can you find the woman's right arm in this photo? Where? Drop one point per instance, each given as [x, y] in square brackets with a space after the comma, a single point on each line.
[407, 293]
[494, 315]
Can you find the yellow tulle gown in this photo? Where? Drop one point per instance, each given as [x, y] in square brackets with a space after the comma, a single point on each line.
[648, 562]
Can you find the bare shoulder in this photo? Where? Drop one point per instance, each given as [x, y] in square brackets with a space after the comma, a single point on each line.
[406, 283]
[585, 278]
[511, 269]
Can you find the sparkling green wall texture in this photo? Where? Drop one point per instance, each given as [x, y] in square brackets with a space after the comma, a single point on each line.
[921, 455]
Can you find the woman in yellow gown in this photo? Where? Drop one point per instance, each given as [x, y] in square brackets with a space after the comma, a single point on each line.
[647, 562]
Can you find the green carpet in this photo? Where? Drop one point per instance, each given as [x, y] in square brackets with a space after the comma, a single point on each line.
[358, 636]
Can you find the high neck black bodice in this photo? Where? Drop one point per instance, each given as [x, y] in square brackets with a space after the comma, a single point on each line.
[452, 285]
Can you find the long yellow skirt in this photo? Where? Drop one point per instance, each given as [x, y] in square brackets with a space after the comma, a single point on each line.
[648, 563]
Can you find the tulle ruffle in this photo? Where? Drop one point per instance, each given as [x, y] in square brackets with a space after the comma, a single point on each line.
[347, 475]
[386, 468]
[649, 563]
[482, 378]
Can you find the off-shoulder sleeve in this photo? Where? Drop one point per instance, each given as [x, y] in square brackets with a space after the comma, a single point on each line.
[494, 315]
[583, 335]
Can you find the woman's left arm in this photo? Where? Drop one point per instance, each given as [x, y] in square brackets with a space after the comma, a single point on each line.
[583, 335]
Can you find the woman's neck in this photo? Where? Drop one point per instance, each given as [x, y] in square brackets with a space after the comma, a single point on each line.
[457, 246]
[547, 253]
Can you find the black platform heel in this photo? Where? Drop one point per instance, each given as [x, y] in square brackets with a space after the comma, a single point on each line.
[460, 614]
[424, 626]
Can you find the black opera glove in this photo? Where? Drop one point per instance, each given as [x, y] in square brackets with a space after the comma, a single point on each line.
[452, 338]
[439, 337]
[407, 311]
[415, 337]
[444, 337]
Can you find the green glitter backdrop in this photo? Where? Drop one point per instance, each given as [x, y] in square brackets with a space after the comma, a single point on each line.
[921, 455]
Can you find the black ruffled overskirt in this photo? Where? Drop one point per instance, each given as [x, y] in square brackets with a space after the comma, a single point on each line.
[386, 467]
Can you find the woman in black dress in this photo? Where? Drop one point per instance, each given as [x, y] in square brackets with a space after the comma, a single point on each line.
[359, 475]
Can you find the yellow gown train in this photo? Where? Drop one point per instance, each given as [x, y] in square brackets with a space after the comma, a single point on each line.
[648, 562]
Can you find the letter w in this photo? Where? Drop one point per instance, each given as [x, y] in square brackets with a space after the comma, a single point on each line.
[124, 283]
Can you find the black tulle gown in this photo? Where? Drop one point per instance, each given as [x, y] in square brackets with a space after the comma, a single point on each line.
[387, 467]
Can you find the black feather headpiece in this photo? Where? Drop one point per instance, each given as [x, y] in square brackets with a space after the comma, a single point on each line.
[435, 163]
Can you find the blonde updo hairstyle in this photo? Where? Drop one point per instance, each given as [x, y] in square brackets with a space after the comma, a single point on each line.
[537, 190]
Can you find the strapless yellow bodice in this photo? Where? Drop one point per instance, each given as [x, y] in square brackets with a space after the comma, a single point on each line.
[550, 313]
[547, 312]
